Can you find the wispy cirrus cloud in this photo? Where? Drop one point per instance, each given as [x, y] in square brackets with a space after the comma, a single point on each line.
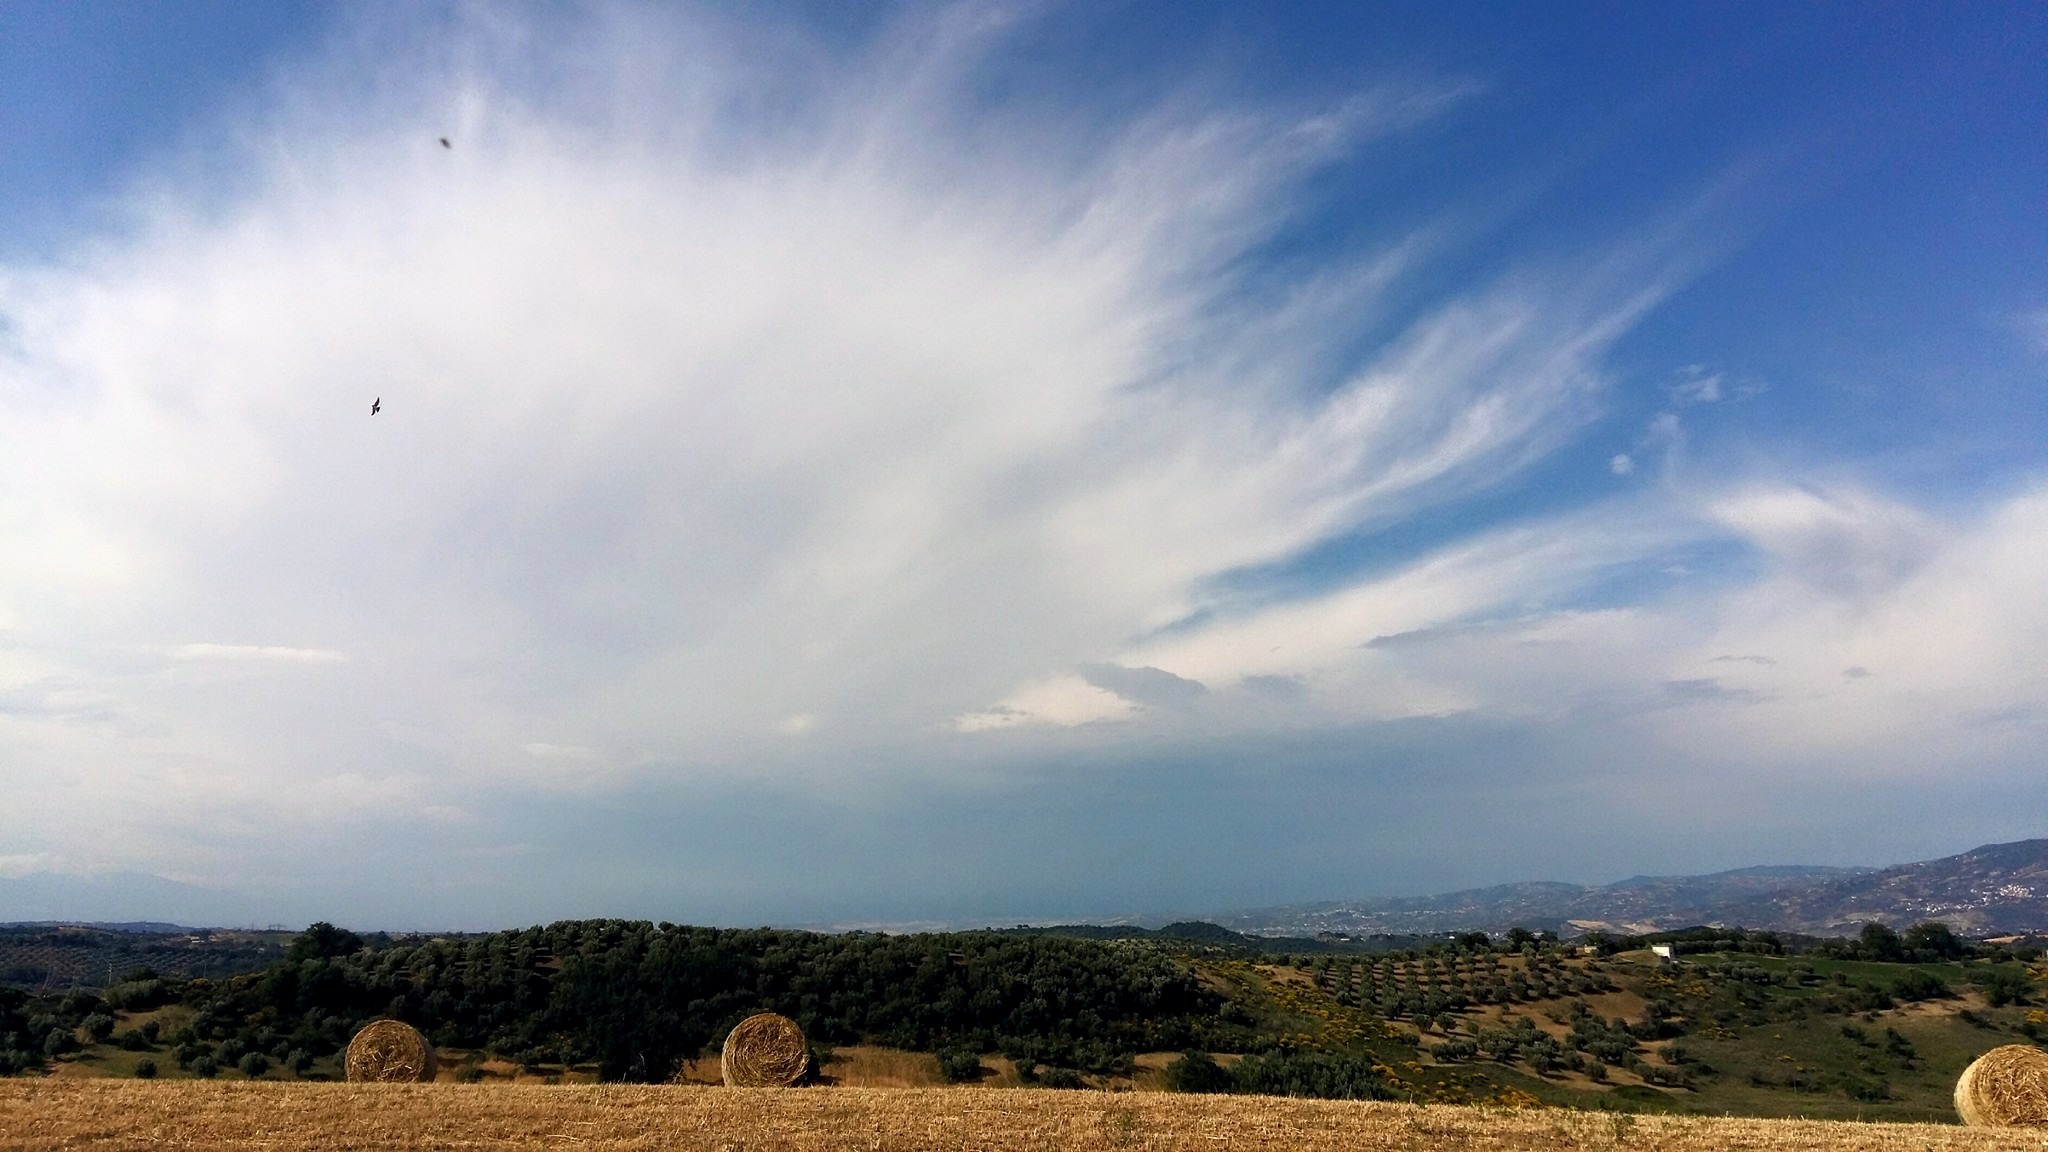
[761, 413]
[258, 652]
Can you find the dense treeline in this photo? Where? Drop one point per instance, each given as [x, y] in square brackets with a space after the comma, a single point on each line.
[33, 1029]
[1324, 1075]
[638, 998]
[1200, 937]
[14, 1037]
[1926, 942]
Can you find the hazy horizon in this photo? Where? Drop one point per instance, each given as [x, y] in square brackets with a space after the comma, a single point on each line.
[129, 898]
[939, 461]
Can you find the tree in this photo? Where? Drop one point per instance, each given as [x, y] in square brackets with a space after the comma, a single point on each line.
[322, 940]
[2004, 986]
[1879, 942]
[1197, 1072]
[1918, 985]
[959, 1065]
[1933, 940]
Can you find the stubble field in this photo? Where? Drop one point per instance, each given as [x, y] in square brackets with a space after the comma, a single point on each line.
[37, 1116]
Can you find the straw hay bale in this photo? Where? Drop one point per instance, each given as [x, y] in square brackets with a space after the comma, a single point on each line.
[764, 1051]
[390, 1051]
[2005, 1087]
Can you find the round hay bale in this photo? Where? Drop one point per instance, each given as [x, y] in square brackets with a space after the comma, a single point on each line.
[764, 1051]
[2005, 1088]
[390, 1052]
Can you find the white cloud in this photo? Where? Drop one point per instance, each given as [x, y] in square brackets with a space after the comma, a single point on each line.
[543, 751]
[1843, 542]
[1867, 646]
[265, 652]
[18, 864]
[738, 390]
[875, 417]
[1696, 385]
[1063, 701]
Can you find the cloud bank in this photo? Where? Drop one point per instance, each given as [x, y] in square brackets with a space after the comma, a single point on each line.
[768, 418]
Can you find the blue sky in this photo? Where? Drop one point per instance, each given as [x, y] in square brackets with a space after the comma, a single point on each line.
[947, 462]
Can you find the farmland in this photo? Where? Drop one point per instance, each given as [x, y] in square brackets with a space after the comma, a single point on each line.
[64, 955]
[1737, 1024]
[44, 1115]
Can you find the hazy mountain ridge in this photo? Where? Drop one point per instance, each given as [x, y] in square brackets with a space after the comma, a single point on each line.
[1995, 889]
[1991, 890]
[121, 898]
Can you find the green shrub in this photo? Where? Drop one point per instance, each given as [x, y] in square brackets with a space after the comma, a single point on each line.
[1918, 985]
[137, 995]
[254, 1064]
[1456, 1051]
[1197, 1072]
[145, 1069]
[2004, 986]
[1316, 1074]
[960, 1065]
[1061, 1078]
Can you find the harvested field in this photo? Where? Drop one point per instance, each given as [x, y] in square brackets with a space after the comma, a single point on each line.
[37, 1116]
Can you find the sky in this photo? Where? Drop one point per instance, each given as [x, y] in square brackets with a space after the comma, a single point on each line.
[981, 462]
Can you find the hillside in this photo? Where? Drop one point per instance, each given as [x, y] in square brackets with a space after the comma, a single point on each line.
[62, 955]
[1740, 1023]
[1997, 889]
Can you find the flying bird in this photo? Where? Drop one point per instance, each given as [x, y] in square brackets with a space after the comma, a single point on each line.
[376, 404]
[445, 143]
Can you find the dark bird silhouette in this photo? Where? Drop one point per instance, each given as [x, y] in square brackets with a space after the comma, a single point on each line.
[376, 404]
[445, 143]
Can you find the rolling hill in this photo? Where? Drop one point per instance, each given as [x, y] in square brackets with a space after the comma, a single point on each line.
[1997, 889]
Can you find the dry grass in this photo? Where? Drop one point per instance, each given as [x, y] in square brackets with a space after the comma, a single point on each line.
[389, 1051]
[867, 1066]
[764, 1051]
[45, 1115]
[2007, 1085]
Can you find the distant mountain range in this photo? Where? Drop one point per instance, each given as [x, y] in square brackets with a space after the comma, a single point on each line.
[119, 898]
[1998, 889]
